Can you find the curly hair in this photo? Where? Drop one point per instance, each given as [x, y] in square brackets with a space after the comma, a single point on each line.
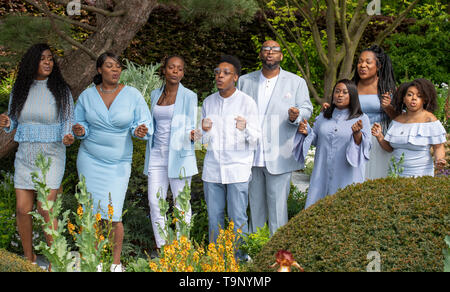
[26, 75]
[427, 93]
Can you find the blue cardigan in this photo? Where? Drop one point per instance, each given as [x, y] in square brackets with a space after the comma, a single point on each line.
[182, 160]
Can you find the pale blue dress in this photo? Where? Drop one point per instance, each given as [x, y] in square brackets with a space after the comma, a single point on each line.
[378, 165]
[415, 140]
[40, 129]
[106, 150]
[338, 161]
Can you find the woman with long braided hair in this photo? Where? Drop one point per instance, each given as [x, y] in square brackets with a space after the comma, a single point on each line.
[41, 109]
[374, 78]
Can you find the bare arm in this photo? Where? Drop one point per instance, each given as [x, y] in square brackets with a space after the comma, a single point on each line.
[378, 133]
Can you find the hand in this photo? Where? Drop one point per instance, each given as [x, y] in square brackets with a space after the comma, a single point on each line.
[68, 139]
[386, 100]
[377, 131]
[324, 106]
[5, 122]
[293, 113]
[440, 163]
[141, 131]
[206, 124]
[357, 127]
[241, 123]
[196, 135]
[303, 127]
[78, 130]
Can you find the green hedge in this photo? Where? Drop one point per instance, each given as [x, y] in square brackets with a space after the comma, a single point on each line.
[10, 262]
[405, 220]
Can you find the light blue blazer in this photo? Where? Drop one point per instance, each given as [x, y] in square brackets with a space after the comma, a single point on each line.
[181, 148]
[277, 131]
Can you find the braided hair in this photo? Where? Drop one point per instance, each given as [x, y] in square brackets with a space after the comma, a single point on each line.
[26, 75]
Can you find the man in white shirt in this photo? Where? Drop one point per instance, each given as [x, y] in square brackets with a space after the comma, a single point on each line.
[231, 131]
[283, 100]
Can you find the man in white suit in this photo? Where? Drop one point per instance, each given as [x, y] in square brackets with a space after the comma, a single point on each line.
[283, 101]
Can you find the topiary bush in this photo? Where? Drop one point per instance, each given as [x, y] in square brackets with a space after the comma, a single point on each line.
[405, 220]
[10, 262]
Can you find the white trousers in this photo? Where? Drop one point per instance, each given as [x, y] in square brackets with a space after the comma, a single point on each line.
[158, 180]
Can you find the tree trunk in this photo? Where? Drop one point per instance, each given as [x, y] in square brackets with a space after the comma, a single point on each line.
[114, 35]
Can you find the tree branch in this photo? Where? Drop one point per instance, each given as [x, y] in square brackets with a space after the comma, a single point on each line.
[44, 9]
[380, 38]
[93, 9]
[74, 22]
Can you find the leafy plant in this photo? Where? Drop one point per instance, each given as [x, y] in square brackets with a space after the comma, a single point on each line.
[7, 208]
[447, 255]
[143, 77]
[254, 242]
[396, 168]
[90, 237]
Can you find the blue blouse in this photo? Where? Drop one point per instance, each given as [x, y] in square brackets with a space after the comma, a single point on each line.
[39, 120]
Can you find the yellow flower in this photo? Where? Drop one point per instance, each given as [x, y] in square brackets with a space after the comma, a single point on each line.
[98, 217]
[71, 228]
[110, 210]
[80, 211]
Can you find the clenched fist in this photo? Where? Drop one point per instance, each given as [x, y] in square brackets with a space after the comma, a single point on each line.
[206, 124]
[141, 131]
[357, 127]
[78, 130]
[68, 139]
[293, 113]
[241, 123]
[5, 122]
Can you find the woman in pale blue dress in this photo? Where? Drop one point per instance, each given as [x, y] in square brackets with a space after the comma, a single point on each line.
[41, 111]
[342, 138]
[107, 116]
[415, 131]
[374, 78]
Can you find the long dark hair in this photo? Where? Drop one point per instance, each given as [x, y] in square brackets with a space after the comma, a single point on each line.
[354, 105]
[386, 78]
[26, 75]
[100, 60]
[427, 92]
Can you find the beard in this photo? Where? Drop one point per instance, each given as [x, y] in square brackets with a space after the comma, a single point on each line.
[271, 66]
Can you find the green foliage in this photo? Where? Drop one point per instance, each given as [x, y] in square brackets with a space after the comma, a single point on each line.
[396, 168]
[254, 242]
[10, 262]
[296, 201]
[143, 77]
[19, 32]
[447, 255]
[216, 14]
[422, 51]
[7, 208]
[58, 253]
[405, 220]
[6, 85]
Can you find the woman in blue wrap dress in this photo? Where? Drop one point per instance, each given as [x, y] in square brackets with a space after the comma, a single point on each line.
[107, 116]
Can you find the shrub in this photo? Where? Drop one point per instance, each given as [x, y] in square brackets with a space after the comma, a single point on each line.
[7, 208]
[10, 262]
[405, 220]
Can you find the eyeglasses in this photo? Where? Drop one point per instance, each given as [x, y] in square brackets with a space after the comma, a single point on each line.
[217, 71]
[274, 49]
